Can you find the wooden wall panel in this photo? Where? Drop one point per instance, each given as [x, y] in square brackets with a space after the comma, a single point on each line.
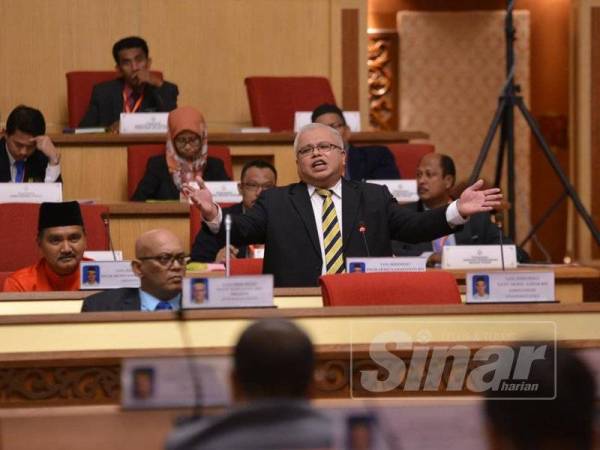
[207, 47]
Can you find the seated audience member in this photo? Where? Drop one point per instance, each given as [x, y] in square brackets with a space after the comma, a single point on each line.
[257, 176]
[26, 153]
[186, 159]
[436, 176]
[160, 265]
[520, 420]
[362, 163]
[273, 369]
[61, 239]
[137, 90]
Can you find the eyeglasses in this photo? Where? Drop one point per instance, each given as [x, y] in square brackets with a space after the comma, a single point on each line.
[323, 147]
[167, 259]
[255, 186]
[181, 142]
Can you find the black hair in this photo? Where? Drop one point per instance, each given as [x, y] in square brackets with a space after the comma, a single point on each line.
[259, 163]
[274, 358]
[27, 120]
[129, 42]
[327, 108]
[530, 422]
[447, 165]
[479, 278]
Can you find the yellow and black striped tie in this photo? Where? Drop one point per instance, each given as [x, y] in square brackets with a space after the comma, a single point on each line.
[332, 238]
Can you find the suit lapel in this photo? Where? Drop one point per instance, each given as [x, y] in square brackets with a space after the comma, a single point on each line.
[301, 202]
[351, 196]
[131, 301]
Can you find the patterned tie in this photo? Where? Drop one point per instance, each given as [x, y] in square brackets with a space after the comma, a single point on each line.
[20, 165]
[162, 306]
[332, 238]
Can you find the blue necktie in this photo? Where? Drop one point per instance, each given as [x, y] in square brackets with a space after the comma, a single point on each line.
[20, 165]
[162, 306]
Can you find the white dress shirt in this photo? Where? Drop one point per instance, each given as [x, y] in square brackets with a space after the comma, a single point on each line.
[52, 172]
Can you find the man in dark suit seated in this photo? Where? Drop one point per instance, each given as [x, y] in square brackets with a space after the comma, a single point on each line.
[308, 228]
[160, 265]
[374, 162]
[436, 175]
[26, 153]
[257, 176]
[137, 90]
[273, 369]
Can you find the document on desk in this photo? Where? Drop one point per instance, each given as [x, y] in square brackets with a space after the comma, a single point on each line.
[30, 192]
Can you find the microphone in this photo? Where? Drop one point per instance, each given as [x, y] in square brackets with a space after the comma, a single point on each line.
[362, 229]
[227, 244]
[106, 221]
[499, 224]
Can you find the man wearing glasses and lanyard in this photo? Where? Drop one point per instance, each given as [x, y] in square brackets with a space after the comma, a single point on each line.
[160, 265]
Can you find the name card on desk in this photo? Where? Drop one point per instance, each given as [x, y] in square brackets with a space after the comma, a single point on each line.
[143, 123]
[510, 287]
[252, 291]
[405, 191]
[399, 264]
[103, 255]
[302, 118]
[175, 382]
[224, 191]
[97, 275]
[478, 257]
[30, 192]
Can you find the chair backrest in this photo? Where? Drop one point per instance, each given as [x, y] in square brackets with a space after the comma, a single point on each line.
[407, 157]
[18, 233]
[3, 276]
[274, 100]
[79, 90]
[138, 156]
[397, 288]
[246, 266]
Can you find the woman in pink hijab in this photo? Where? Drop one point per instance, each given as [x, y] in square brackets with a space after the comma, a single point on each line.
[186, 159]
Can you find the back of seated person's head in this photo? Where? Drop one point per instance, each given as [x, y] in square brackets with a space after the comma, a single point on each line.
[26, 120]
[127, 43]
[529, 423]
[273, 358]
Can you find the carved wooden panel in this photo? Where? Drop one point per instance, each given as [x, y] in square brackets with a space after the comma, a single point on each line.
[383, 84]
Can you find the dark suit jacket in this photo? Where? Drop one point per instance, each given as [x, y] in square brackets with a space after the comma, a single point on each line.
[479, 230]
[106, 103]
[157, 183]
[35, 166]
[123, 299]
[283, 220]
[261, 425]
[206, 245]
[371, 163]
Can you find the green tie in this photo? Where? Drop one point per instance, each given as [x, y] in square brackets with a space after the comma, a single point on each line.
[332, 238]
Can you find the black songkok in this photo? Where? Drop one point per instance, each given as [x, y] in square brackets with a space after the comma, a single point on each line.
[59, 215]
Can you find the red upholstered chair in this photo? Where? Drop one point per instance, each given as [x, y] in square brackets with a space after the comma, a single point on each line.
[398, 288]
[3, 276]
[274, 100]
[79, 90]
[407, 157]
[138, 156]
[18, 232]
[246, 266]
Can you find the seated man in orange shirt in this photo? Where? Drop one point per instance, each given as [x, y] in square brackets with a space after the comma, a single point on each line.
[61, 239]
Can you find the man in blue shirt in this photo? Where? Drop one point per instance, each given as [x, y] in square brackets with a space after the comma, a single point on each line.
[160, 265]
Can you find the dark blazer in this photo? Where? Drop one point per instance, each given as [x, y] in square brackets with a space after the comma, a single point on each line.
[479, 230]
[106, 103]
[371, 163]
[157, 183]
[123, 299]
[35, 166]
[283, 220]
[260, 425]
[206, 245]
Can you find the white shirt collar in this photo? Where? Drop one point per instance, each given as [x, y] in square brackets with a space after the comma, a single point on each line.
[336, 189]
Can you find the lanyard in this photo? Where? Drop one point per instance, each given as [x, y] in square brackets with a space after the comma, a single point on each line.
[137, 104]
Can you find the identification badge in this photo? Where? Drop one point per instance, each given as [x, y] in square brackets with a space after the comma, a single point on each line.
[399, 264]
[107, 275]
[510, 287]
[252, 291]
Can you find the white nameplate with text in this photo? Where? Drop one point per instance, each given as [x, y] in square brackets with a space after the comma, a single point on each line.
[143, 123]
[478, 257]
[175, 382]
[251, 291]
[398, 264]
[30, 192]
[107, 275]
[405, 191]
[103, 255]
[510, 287]
[224, 191]
[302, 118]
